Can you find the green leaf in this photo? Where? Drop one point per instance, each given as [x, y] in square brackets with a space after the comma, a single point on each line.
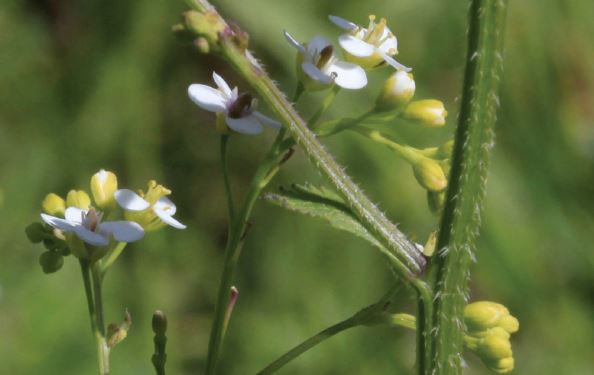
[322, 203]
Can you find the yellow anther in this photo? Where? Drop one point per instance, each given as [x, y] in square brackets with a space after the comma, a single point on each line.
[155, 192]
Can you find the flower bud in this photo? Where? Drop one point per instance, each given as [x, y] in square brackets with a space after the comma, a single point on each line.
[429, 112]
[436, 201]
[159, 323]
[78, 198]
[50, 261]
[35, 232]
[445, 150]
[53, 205]
[103, 185]
[483, 315]
[430, 175]
[398, 90]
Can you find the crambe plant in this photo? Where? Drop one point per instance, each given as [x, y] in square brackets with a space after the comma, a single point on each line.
[452, 173]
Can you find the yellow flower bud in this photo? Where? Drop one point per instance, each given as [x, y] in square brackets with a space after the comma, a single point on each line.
[482, 315]
[504, 365]
[429, 112]
[53, 205]
[398, 90]
[430, 175]
[509, 323]
[103, 185]
[78, 198]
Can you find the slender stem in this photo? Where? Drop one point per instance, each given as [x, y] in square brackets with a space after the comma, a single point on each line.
[96, 317]
[111, 257]
[461, 216]
[225, 171]
[326, 103]
[237, 229]
[368, 315]
[408, 153]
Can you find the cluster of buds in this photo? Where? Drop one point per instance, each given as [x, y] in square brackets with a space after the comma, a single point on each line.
[75, 225]
[489, 327]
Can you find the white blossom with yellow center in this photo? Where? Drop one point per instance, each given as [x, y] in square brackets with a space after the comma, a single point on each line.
[369, 47]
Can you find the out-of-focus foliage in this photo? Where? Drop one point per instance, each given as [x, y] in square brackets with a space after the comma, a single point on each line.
[102, 84]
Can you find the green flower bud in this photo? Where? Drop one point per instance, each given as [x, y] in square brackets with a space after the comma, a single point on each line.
[53, 205]
[51, 261]
[207, 25]
[78, 198]
[159, 323]
[398, 90]
[35, 232]
[436, 201]
[430, 175]
[103, 185]
[429, 112]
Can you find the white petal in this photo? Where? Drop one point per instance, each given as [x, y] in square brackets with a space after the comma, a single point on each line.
[355, 46]
[207, 98]
[122, 231]
[316, 74]
[395, 63]
[223, 86]
[90, 237]
[166, 217]
[390, 43]
[317, 44]
[264, 120]
[342, 23]
[129, 200]
[74, 215]
[245, 125]
[294, 42]
[165, 204]
[349, 76]
[58, 223]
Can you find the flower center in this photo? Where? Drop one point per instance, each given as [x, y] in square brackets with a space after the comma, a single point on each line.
[375, 31]
[324, 56]
[155, 192]
[241, 106]
[91, 219]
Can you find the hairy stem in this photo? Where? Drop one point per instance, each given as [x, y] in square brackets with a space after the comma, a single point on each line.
[230, 42]
[461, 216]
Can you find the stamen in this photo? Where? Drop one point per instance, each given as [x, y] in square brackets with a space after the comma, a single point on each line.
[239, 106]
[325, 56]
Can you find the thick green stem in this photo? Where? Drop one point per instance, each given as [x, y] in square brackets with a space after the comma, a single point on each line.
[461, 216]
[230, 43]
[94, 304]
[238, 227]
[369, 315]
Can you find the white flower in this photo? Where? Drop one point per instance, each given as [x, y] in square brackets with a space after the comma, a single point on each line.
[150, 210]
[87, 226]
[322, 67]
[238, 109]
[371, 46]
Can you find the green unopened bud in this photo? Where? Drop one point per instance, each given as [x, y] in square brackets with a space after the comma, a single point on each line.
[483, 315]
[429, 112]
[51, 261]
[53, 205]
[207, 25]
[103, 185]
[398, 90]
[36, 232]
[159, 323]
[78, 198]
[436, 201]
[430, 175]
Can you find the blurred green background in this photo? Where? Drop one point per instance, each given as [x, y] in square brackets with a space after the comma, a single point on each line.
[102, 84]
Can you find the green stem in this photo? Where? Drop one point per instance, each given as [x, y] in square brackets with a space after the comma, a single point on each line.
[410, 262]
[225, 171]
[461, 216]
[96, 316]
[410, 154]
[328, 100]
[237, 230]
[369, 315]
[111, 257]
